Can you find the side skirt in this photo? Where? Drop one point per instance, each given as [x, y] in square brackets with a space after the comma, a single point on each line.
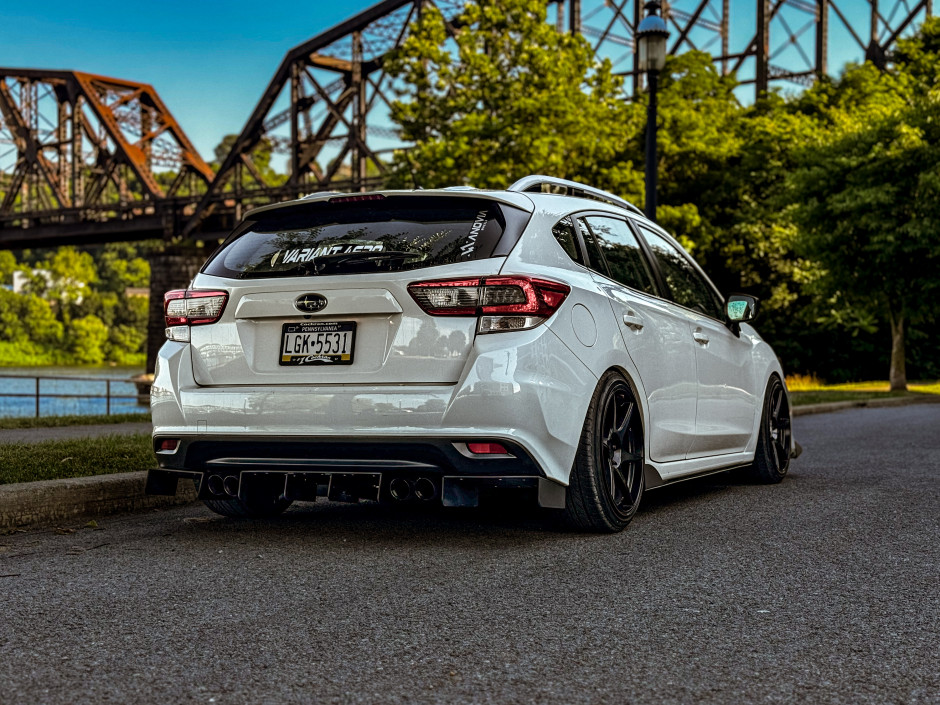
[654, 480]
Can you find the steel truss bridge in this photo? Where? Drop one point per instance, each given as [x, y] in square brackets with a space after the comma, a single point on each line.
[87, 159]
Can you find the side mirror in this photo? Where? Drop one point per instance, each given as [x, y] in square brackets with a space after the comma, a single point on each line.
[741, 308]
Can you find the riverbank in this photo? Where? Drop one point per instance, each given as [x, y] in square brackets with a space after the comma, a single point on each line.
[24, 422]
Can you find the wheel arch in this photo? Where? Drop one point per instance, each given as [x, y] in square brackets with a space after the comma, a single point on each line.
[650, 473]
[769, 368]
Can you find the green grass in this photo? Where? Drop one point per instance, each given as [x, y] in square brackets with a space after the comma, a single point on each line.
[84, 420]
[83, 457]
[826, 396]
[805, 391]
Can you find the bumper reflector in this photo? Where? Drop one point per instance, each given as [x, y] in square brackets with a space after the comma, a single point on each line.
[487, 449]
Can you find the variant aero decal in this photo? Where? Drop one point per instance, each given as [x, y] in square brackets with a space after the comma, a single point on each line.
[308, 253]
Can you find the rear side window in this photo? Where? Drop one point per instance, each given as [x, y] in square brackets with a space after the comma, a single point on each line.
[564, 233]
[394, 233]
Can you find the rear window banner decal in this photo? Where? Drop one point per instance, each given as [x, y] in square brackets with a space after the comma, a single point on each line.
[468, 248]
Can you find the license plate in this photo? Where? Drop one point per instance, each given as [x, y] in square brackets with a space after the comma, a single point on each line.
[318, 343]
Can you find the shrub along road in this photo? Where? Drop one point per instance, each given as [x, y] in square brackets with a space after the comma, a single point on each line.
[821, 589]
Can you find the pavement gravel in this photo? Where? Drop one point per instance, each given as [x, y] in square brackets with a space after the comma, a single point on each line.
[823, 589]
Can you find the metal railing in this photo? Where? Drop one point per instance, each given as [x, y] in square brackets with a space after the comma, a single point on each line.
[36, 392]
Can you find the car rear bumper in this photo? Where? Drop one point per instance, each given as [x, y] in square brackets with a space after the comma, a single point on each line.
[530, 393]
[344, 470]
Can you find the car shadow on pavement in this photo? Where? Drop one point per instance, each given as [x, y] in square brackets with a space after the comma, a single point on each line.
[395, 523]
[508, 519]
[705, 488]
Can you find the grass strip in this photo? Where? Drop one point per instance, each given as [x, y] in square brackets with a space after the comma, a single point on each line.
[825, 396]
[74, 420]
[82, 457]
[809, 390]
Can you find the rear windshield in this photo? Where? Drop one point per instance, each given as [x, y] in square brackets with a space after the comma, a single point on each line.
[391, 234]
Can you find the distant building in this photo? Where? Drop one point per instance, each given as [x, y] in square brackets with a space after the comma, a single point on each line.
[21, 280]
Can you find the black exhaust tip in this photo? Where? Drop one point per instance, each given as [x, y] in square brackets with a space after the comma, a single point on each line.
[230, 485]
[215, 484]
[425, 489]
[400, 489]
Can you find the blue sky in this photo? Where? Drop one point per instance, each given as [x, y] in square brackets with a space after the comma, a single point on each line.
[210, 61]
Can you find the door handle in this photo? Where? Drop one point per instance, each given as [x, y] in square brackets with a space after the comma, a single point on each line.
[631, 320]
[700, 337]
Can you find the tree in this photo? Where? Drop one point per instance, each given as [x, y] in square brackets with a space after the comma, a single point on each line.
[867, 191]
[508, 95]
[120, 267]
[259, 158]
[86, 339]
[7, 266]
[63, 279]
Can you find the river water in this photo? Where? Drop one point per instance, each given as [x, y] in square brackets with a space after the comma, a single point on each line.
[87, 381]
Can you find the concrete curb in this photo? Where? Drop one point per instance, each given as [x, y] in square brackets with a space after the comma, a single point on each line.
[30, 504]
[50, 501]
[869, 403]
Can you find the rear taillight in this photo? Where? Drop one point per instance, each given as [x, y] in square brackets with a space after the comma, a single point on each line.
[183, 308]
[357, 198]
[500, 303]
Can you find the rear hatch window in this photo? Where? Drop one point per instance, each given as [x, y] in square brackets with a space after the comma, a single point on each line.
[346, 235]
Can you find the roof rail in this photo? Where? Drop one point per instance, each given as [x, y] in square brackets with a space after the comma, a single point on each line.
[534, 183]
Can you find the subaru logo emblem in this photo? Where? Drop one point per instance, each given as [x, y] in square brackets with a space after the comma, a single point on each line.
[310, 303]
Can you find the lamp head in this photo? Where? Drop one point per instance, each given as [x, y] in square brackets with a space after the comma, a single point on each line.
[651, 38]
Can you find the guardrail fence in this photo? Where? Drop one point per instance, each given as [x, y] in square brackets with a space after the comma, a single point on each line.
[23, 395]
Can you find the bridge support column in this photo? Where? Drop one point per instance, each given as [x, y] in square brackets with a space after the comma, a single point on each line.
[170, 269]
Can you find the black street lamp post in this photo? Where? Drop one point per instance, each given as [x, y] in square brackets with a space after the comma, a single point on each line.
[651, 38]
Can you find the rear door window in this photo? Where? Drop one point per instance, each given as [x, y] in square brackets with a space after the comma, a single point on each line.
[595, 257]
[347, 236]
[687, 287]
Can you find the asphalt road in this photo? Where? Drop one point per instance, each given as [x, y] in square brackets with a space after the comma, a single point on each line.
[824, 589]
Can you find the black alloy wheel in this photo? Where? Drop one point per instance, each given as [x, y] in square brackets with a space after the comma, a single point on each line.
[607, 480]
[775, 439]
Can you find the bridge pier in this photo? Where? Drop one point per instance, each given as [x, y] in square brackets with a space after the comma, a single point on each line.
[173, 268]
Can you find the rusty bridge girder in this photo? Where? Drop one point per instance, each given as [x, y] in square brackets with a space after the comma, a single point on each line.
[326, 110]
[80, 154]
[765, 42]
[80, 150]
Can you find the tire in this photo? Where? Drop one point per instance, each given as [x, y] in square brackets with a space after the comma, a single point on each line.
[256, 508]
[607, 478]
[775, 438]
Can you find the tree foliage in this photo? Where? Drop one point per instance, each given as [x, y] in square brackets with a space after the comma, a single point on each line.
[866, 193]
[508, 93]
[75, 308]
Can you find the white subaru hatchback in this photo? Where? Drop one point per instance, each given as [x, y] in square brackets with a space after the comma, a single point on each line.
[439, 345]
